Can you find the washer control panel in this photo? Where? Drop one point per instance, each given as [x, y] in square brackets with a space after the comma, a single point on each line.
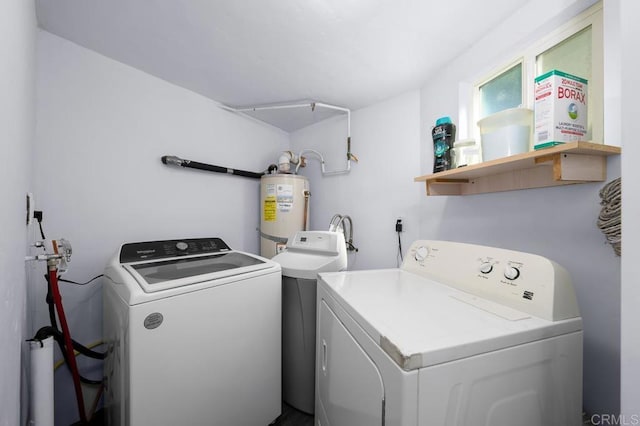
[135, 252]
[521, 281]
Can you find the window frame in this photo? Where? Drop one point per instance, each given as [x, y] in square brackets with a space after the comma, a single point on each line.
[593, 17]
[477, 107]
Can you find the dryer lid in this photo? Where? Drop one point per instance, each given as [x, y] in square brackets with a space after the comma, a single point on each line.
[420, 322]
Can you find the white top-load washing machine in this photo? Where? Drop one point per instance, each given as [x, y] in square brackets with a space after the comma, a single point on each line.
[193, 330]
[459, 335]
[307, 254]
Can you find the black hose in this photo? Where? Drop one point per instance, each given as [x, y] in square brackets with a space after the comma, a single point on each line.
[48, 330]
[176, 161]
[59, 337]
[56, 332]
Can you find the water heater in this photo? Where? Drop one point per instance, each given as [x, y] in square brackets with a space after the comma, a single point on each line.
[284, 210]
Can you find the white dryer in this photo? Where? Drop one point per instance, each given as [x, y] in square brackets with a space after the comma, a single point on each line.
[459, 335]
[193, 331]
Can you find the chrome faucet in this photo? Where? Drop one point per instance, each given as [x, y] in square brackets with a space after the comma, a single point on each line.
[337, 224]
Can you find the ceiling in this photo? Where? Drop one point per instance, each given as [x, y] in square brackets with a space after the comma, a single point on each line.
[350, 53]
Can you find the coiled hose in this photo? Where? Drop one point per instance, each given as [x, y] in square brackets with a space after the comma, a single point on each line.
[609, 220]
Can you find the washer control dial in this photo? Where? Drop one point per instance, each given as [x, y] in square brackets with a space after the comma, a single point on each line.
[182, 246]
[486, 267]
[421, 253]
[511, 272]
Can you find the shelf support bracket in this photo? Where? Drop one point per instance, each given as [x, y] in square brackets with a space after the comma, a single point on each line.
[576, 167]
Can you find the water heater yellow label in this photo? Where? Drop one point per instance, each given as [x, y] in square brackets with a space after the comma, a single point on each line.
[269, 209]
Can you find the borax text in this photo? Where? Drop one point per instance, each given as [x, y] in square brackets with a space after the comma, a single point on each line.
[564, 92]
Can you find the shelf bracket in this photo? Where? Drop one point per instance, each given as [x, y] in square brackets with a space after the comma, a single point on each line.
[446, 186]
[576, 167]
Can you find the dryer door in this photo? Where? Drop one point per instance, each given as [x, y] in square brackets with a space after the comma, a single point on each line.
[350, 388]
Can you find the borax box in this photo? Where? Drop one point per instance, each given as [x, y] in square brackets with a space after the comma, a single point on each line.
[560, 109]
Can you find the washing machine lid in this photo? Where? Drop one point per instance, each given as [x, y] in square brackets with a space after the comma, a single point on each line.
[420, 322]
[163, 265]
[160, 275]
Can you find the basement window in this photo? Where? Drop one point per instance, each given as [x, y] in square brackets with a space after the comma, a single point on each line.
[574, 56]
[575, 48]
[501, 92]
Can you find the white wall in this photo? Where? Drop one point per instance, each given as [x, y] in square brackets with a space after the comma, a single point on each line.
[559, 223]
[630, 32]
[17, 120]
[102, 128]
[378, 189]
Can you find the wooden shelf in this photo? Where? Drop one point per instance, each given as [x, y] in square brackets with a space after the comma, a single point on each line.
[570, 163]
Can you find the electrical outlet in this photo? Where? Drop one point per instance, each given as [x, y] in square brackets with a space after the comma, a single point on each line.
[399, 224]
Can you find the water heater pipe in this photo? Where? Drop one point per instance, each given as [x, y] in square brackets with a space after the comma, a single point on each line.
[313, 106]
[305, 221]
[285, 161]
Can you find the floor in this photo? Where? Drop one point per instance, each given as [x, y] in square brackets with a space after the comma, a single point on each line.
[292, 417]
[289, 417]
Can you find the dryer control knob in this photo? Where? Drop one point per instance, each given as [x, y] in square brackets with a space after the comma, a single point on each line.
[511, 272]
[182, 246]
[486, 267]
[421, 253]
